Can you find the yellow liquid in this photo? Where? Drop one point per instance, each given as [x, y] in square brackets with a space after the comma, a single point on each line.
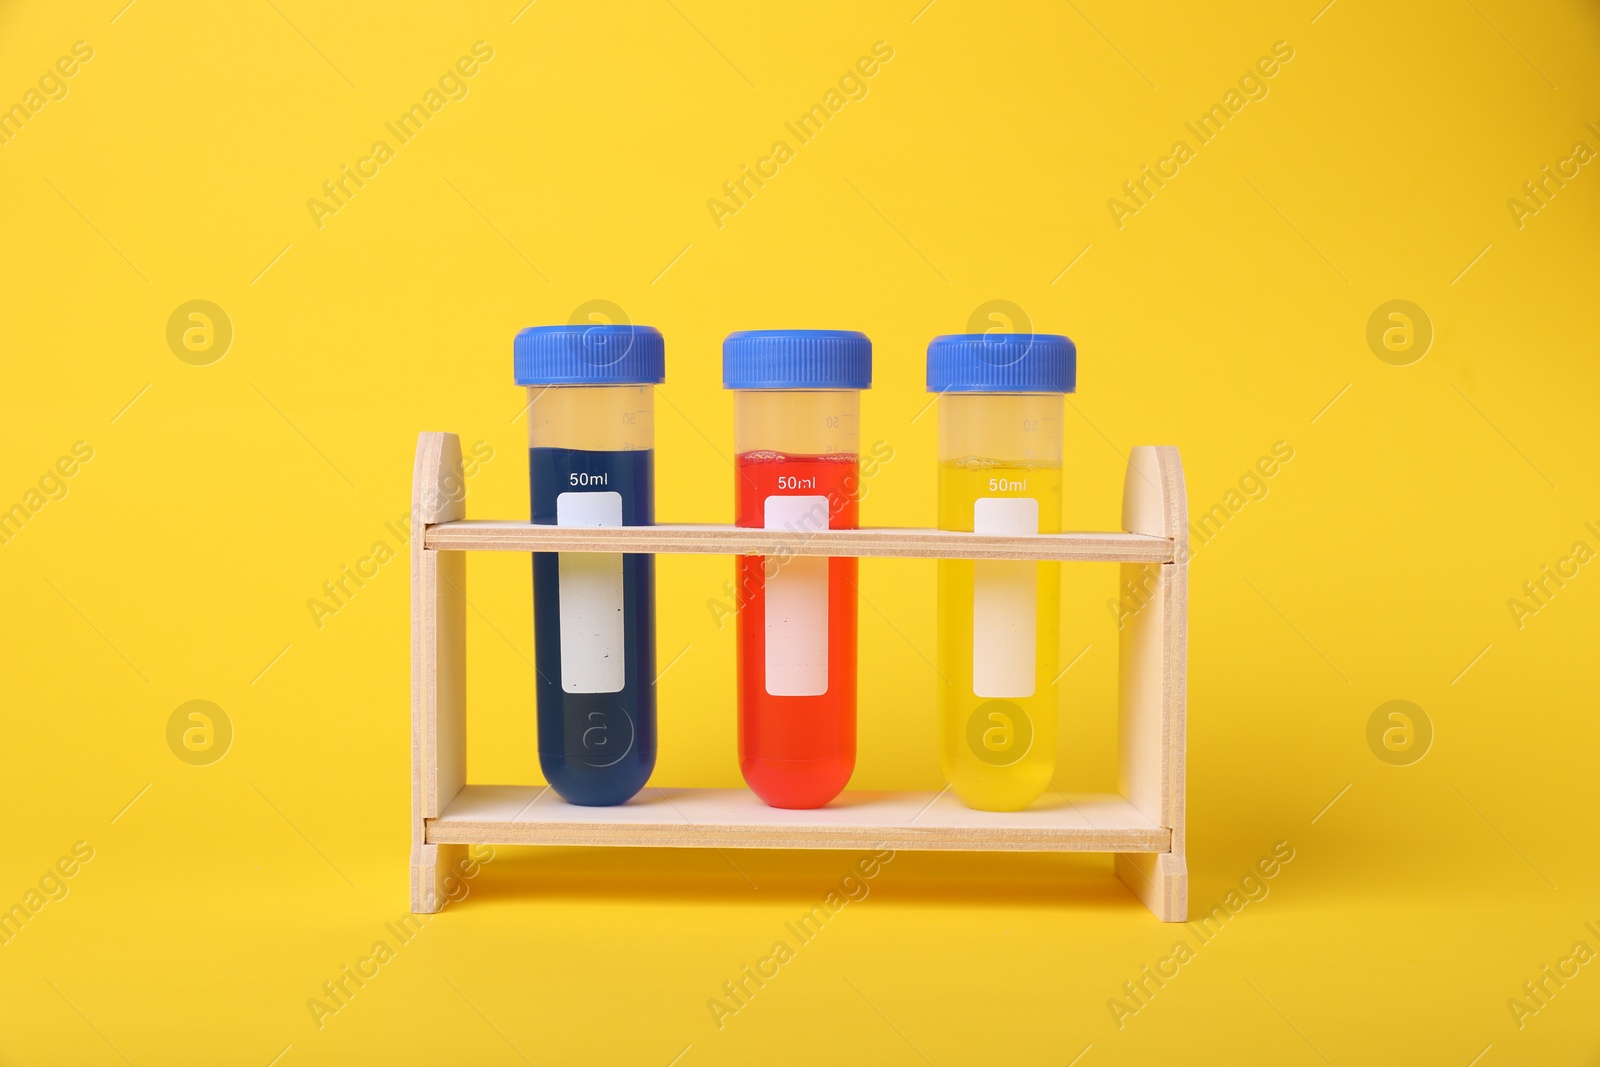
[998, 751]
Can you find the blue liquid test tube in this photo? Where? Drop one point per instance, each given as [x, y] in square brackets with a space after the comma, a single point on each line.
[591, 462]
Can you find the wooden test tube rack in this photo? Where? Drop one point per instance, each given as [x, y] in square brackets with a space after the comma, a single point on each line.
[1143, 824]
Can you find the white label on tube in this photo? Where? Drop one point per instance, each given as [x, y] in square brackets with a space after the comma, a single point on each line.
[1005, 603]
[797, 603]
[592, 657]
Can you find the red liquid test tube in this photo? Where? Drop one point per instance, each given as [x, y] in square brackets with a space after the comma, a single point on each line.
[797, 438]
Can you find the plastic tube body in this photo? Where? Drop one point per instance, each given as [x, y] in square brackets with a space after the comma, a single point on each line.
[999, 472]
[797, 469]
[591, 462]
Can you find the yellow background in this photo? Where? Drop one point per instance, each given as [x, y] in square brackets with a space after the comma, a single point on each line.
[1223, 317]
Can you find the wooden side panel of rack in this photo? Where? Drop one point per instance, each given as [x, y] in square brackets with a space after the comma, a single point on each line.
[438, 667]
[1152, 667]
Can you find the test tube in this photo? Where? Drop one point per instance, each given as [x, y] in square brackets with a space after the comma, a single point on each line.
[591, 462]
[999, 411]
[797, 406]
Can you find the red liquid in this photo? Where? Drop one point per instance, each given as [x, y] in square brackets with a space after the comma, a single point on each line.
[797, 751]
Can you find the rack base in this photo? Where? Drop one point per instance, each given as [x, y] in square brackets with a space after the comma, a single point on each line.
[736, 818]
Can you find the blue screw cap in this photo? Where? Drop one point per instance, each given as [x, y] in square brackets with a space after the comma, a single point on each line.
[1002, 363]
[797, 359]
[589, 355]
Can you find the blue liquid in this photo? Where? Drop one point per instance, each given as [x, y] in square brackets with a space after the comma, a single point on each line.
[596, 748]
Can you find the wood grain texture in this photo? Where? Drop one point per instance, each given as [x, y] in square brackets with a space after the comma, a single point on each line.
[430, 867]
[1152, 669]
[1160, 880]
[481, 535]
[736, 818]
[438, 663]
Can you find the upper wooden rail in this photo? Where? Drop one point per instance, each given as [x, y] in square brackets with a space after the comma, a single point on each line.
[479, 535]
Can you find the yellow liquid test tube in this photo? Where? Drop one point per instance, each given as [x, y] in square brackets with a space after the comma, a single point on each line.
[999, 413]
